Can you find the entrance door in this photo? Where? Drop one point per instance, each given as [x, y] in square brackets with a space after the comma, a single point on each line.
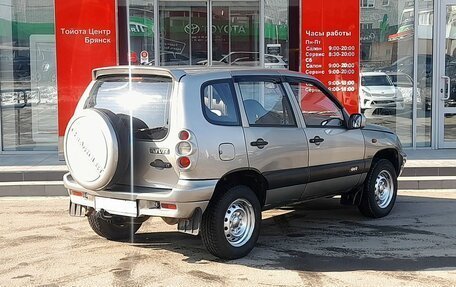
[183, 32]
[447, 73]
[200, 32]
[235, 33]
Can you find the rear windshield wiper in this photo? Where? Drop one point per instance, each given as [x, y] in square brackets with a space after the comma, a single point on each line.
[150, 133]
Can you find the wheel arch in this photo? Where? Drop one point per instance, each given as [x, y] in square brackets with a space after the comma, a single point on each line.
[244, 176]
[390, 154]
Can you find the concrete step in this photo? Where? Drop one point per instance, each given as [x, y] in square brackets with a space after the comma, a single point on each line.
[32, 188]
[32, 173]
[56, 188]
[411, 171]
[426, 182]
[47, 180]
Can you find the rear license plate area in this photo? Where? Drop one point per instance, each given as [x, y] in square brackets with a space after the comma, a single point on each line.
[117, 206]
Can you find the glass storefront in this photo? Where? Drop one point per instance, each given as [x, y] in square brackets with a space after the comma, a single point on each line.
[447, 72]
[28, 97]
[235, 33]
[386, 80]
[400, 87]
[393, 57]
[235, 37]
[276, 23]
[142, 31]
[183, 33]
[424, 73]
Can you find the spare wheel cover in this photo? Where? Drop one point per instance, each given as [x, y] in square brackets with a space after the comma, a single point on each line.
[91, 149]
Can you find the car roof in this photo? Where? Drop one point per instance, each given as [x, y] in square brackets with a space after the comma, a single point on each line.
[373, 74]
[397, 74]
[180, 71]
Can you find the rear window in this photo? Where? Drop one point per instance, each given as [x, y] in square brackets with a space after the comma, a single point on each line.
[147, 99]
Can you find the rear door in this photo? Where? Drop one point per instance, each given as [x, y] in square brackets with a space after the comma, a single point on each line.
[276, 143]
[336, 154]
[143, 101]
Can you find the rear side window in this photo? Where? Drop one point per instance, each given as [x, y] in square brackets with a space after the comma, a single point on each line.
[219, 103]
[147, 99]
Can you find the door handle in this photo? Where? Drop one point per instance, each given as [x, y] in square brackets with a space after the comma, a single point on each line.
[316, 140]
[448, 88]
[259, 143]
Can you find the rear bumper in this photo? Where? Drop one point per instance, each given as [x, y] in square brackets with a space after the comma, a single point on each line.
[187, 196]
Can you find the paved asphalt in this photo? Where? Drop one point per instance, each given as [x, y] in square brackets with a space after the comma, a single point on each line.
[318, 243]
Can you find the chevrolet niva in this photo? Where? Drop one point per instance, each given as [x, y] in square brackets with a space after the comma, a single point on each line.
[209, 149]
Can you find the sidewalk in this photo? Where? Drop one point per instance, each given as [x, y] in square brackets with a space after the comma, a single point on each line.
[431, 158]
[25, 161]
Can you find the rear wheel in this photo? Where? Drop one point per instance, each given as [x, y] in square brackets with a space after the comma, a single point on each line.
[380, 190]
[113, 227]
[231, 224]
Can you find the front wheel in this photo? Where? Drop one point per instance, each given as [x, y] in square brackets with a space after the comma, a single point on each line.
[380, 190]
[231, 224]
[113, 227]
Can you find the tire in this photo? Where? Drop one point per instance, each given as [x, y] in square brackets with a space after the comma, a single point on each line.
[112, 227]
[238, 205]
[380, 190]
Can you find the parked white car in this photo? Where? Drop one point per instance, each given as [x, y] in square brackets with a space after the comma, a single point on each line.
[377, 91]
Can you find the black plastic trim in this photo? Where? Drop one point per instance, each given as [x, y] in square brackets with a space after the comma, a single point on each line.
[335, 170]
[304, 175]
[287, 177]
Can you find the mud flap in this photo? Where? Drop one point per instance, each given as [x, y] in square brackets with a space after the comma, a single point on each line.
[77, 210]
[352, 198]
[191, 225]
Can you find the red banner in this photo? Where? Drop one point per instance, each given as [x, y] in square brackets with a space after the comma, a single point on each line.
[330, 46]
[85, 32]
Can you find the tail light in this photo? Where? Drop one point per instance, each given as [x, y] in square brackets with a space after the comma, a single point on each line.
[184, 135]
[185, 148]
[168, 206]
[184, 162]
[76, 193]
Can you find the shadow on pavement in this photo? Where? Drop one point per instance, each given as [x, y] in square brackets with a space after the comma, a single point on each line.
[324, 236]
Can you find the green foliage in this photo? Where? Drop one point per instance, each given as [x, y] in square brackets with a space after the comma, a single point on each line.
[384, 28]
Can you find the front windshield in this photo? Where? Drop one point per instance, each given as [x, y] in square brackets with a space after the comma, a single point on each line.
[401, 80]
[146, 98]
[370, 81]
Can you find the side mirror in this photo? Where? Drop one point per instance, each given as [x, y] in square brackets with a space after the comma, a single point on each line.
[357, 121]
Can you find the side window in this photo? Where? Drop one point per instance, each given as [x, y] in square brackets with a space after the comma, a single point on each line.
[317, 108]
[219, 105]
[266, 104]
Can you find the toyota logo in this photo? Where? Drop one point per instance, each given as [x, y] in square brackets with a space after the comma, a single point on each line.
[192, 29]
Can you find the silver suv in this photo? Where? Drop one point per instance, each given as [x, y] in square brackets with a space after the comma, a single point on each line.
[209, 149]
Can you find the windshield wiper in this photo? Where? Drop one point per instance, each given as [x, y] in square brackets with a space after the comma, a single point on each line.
[148, 133]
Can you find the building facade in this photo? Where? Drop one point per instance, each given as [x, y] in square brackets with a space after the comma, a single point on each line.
[407, 53]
